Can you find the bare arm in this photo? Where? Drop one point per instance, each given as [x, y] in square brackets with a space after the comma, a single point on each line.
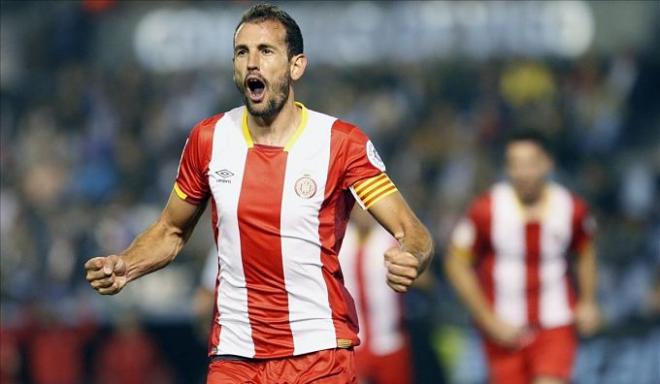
[407, 262]
[461, 275]
[153, 249]
[587, 314]
[587, 274]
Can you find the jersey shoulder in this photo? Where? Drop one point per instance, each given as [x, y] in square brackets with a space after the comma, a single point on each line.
[480, 208]
[349, 132]
[580, 206]
[203, 130]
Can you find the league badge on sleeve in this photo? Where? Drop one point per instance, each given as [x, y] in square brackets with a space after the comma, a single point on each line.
[374, 157]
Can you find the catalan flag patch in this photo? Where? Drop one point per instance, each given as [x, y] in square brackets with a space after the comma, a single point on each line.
[367, 192]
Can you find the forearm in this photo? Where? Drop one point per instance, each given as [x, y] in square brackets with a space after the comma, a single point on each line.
[153, 249]
[464, 279]
[587, 274]
[414, 238]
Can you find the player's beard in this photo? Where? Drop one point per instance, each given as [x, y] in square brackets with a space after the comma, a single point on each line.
[274, 104]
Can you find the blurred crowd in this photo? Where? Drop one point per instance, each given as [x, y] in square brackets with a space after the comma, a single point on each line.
[88, 157]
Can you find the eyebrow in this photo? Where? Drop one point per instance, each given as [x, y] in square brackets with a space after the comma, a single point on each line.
[260, 46]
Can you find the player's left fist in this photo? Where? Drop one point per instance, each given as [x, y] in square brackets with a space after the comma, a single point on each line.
[587, 318]
[402, 269]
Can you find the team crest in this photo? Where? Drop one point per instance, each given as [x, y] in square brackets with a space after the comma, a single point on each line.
[305, 187]
[374, 157]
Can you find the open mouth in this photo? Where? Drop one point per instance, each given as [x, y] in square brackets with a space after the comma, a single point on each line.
[256, 88]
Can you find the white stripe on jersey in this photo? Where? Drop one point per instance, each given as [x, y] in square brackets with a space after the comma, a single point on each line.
[229, 154]
[310, 314]
[509, 273]
[554, 308]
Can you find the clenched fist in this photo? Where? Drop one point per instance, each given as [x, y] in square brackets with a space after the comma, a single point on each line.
[106, 274]
[402, 269]
[587, 318]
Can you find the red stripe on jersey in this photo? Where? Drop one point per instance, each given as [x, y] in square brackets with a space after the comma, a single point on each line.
[259, 216]
[580, 239]
[532, 265]
[333, 218]
[214, 337]
[481, 215]
[192, 178]
[362, 293]
[581, 235]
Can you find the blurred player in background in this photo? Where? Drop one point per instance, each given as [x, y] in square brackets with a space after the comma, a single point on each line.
[525, 237]
[282, 181]
[384, 355]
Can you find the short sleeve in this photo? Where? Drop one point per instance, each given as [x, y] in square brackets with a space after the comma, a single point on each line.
[364, 170]
[464, 234]
[584, 226]
[192, 183]
[470, 236]
[362, 159]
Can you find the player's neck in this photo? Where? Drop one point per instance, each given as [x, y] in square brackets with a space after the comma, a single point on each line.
[533, 208]
[277, 130]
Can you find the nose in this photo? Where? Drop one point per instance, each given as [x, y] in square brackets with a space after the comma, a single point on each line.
[253, 61]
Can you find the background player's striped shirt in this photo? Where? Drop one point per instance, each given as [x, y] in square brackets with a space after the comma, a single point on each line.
[523, 266]
[279, 216]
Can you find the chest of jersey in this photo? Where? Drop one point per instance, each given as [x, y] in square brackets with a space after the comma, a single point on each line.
[514, 237]
[269, 189]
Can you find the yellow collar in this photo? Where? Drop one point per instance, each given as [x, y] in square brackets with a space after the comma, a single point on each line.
[292, 139]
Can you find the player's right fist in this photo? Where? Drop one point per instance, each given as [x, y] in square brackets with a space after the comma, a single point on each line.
[107, 275]
[507, 335]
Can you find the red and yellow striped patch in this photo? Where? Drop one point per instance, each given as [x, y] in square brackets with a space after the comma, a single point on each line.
[369, 191]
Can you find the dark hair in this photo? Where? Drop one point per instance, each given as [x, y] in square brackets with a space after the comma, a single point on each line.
[263, 12]
[531, 135]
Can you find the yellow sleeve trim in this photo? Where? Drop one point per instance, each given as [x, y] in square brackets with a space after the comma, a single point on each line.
[182, 195]
[462, 252]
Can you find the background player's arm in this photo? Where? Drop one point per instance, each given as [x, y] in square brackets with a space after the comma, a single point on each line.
[151, 250]
[458, 266]
[462, 276]
[587, 314]
[408, 261]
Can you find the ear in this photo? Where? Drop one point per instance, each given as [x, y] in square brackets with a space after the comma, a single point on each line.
[297, 66]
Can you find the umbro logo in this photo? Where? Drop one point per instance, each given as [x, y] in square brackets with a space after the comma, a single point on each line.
[224, 175]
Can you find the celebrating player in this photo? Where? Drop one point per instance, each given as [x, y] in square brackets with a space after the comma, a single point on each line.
[282, 180]
[523, 237]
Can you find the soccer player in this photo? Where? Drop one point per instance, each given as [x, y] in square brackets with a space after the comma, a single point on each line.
[384, 355]
[282, 180]
[510, 260]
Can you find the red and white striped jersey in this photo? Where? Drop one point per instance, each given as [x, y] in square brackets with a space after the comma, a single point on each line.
[279, 216]
[379, 308]
[523, 266]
